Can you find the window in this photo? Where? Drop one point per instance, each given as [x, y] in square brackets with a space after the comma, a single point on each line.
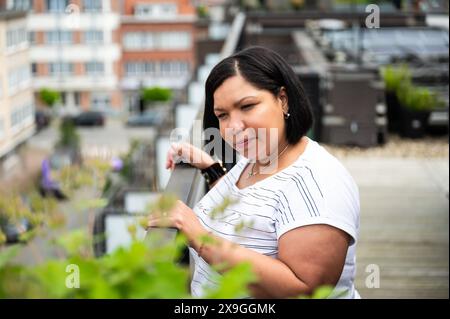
[63, 96]
[59, 37]
[131, 40]
[100, 101]
[174, 40]
[169, 68]
[150, 68]
[16, 37]
[157, 40]
[22, 5]
[92, 5]
[18, 77]
[94, 68]
[34, 69]
[77, 98]
[130, 68]
[93, 36]
[32, 37]
[57, 5]
[168, 9]
[61, 68]
[156, 10]
[22, 115]
[143, 10]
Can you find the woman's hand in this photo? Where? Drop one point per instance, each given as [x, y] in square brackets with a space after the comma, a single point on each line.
[188, 153]
[181, 217]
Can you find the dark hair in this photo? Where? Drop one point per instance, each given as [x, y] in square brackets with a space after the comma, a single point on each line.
[266, 70]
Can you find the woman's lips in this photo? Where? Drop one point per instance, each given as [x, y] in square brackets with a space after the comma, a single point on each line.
[244, 143]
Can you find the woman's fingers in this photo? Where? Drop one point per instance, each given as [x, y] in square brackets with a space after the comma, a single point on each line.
[187, 153]
[169, 160]
[160, 222]
[172, 156]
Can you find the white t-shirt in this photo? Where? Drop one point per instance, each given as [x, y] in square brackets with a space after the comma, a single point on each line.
[315, 189]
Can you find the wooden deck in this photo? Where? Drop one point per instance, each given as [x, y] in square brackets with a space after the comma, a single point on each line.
[404, 227]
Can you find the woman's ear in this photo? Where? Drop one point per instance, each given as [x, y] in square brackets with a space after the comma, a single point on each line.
[282, 96]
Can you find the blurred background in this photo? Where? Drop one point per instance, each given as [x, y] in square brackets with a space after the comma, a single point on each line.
[91, 91]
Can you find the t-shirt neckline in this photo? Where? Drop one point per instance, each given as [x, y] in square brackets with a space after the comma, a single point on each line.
[246, 160]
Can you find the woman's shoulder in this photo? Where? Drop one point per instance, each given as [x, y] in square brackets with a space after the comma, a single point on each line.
[318, 158]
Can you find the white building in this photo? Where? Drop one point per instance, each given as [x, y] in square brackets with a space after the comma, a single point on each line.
[16, 95]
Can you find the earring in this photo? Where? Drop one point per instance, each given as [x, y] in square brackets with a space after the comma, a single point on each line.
[286, 116]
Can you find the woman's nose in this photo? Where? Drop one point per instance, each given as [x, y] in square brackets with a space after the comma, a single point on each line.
[236, 124]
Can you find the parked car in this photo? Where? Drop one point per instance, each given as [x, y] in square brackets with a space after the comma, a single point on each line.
[12, 230]
[88, 118]
[42, 119]
[149, 118]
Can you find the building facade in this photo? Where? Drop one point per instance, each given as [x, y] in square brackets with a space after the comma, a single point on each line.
[158, 43]
[16, 95]
[75, 50]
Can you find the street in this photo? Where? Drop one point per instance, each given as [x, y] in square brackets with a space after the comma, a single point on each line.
[113, 139]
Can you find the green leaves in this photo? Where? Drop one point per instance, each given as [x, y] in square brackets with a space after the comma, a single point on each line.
[417, 98]
[76, 242]
[68, 135]
[233, 283]
[7, 253]
[156, 94]
[95, 203]
[144, 269]
[218, 211]
[398, 80]
[49, 97]
[395, 76]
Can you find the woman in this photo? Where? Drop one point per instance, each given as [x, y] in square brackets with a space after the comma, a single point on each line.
[300, 216]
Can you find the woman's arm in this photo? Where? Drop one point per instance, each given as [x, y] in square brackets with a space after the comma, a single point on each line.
[187, 153]
[308, 256]
[190, 154]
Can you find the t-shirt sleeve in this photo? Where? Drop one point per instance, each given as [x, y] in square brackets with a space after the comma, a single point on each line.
[302, 202]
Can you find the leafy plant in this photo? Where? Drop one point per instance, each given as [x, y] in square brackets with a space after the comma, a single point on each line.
[394, 77]
[418, 98]
[156, 94]
[202, 11]
[68, 135]
[144, 269]
[398, 81]
[49, 96]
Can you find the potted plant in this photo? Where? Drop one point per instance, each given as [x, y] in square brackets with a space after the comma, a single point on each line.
[49, 97]
[394, 77]
[152, 95]
[416, 104]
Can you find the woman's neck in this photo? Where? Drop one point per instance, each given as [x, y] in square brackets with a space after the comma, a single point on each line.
[286, 156]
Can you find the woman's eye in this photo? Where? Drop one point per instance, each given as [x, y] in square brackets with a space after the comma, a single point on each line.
[247, 106]
[221, 116]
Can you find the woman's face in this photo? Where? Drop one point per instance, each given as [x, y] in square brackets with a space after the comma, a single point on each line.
[251, 120]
